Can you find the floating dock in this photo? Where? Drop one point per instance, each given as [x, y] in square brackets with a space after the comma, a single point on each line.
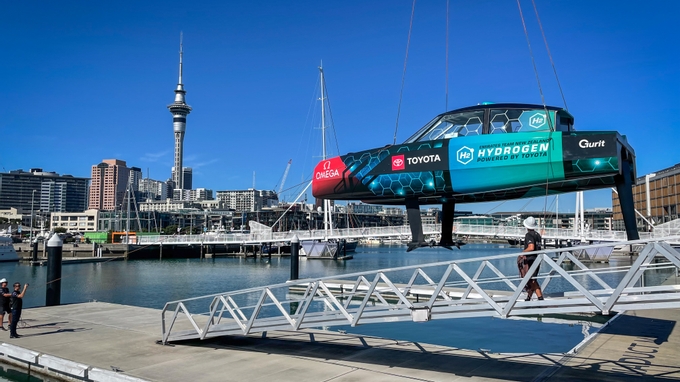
[99, 341]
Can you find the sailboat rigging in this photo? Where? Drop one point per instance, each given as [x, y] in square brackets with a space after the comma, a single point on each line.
[327, 249]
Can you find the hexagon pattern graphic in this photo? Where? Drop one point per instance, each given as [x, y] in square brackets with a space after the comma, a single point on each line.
[596, 164]
[399, 184]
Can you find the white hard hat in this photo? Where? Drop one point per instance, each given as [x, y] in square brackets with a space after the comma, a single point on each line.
[3, 281]
[530, 223]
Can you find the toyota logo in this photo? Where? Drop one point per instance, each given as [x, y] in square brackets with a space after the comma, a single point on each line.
[398, 162]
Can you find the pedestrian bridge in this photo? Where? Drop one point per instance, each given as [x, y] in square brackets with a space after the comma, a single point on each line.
[470, 287]
[265, 235]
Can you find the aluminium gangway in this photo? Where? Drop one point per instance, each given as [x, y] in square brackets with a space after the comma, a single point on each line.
[469, 287]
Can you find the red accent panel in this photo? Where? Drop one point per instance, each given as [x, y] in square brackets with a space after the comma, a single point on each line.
[327, 174]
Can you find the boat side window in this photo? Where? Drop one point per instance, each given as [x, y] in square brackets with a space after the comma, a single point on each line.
[504, 121]
[519, 121]
[566, 123]
[457, 125]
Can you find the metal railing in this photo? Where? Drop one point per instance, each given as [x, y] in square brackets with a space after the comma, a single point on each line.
[453, 289]
[506, 232]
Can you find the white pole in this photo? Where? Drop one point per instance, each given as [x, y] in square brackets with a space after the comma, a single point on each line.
[323, 148]
[582, 216]
[576, 214]
[649, 202]
[30, 236]
[127, 223]
[557, 210]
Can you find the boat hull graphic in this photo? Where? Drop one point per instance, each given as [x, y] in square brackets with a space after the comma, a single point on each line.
[483, 153]
[476, 169]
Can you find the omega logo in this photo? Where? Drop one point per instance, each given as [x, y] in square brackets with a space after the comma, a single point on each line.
[328, 172]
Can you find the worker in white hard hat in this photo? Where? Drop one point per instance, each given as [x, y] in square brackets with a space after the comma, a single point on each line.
[532, 242]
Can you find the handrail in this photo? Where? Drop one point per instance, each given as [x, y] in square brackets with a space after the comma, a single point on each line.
[392, 231]
[329, 300]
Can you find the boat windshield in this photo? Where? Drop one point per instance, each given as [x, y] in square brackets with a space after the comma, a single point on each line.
[451, 126]
[500, 121]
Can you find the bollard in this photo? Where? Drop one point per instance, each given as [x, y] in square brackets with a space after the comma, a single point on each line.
[53, 295]
[34, 252]
[294, 258]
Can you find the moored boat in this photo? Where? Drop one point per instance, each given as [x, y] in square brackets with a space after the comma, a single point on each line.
[7, 252]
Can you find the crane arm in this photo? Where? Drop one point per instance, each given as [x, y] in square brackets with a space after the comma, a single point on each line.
[285, 175]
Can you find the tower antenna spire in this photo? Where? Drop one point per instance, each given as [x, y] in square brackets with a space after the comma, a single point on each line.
[181, 53]
[179, 110]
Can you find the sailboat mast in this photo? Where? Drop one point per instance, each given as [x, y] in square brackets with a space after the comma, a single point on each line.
[323, 148]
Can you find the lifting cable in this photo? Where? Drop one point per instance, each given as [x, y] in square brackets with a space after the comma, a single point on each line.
[403, 76]
[531, 53]
[446, 82]
[547, 48]
[545, 108]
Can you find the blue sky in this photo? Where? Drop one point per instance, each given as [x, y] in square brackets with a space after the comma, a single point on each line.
[86, 81]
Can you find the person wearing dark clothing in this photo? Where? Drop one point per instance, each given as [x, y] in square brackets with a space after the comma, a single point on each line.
[4, 300]
[16, 303]
[532, 242]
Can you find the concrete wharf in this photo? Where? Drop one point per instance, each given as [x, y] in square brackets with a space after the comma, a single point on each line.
[108, 342]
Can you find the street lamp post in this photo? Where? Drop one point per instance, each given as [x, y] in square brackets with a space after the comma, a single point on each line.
[30, 237]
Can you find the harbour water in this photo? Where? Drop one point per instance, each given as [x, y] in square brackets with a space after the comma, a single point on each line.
[151, 283]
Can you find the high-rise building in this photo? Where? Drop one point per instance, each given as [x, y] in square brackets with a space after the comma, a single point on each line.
[150, 190]
[110, 180]
[44, 191]
[248, 200]
[187, 178]
[179, 110]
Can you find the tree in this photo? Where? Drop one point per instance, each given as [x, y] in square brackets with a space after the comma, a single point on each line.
[170, 230]
[59, 230]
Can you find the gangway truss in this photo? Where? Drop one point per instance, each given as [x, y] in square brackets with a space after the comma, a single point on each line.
[468, 287]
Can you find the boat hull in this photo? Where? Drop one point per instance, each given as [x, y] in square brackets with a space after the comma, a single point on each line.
[477, 168]
[328, 250]
[7, 251]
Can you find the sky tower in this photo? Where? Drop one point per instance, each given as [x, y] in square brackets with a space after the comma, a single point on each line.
[179, 110]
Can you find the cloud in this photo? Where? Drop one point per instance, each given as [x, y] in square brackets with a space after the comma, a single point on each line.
[201, 164]
[154, 157]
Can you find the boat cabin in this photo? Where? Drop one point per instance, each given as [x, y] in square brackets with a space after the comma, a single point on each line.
[489, 118]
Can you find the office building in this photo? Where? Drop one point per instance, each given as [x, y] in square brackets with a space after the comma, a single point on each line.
[150, 190]
[248, 200]
[187, 178]
[110, 180]
[41, 190]
[656, 198]
[75, 221]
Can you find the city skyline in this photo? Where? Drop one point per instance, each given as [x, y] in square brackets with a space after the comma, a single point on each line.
[252, 73]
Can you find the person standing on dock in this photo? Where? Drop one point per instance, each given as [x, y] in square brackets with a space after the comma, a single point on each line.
[16, 302]
[532, 242]
[4, 298]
